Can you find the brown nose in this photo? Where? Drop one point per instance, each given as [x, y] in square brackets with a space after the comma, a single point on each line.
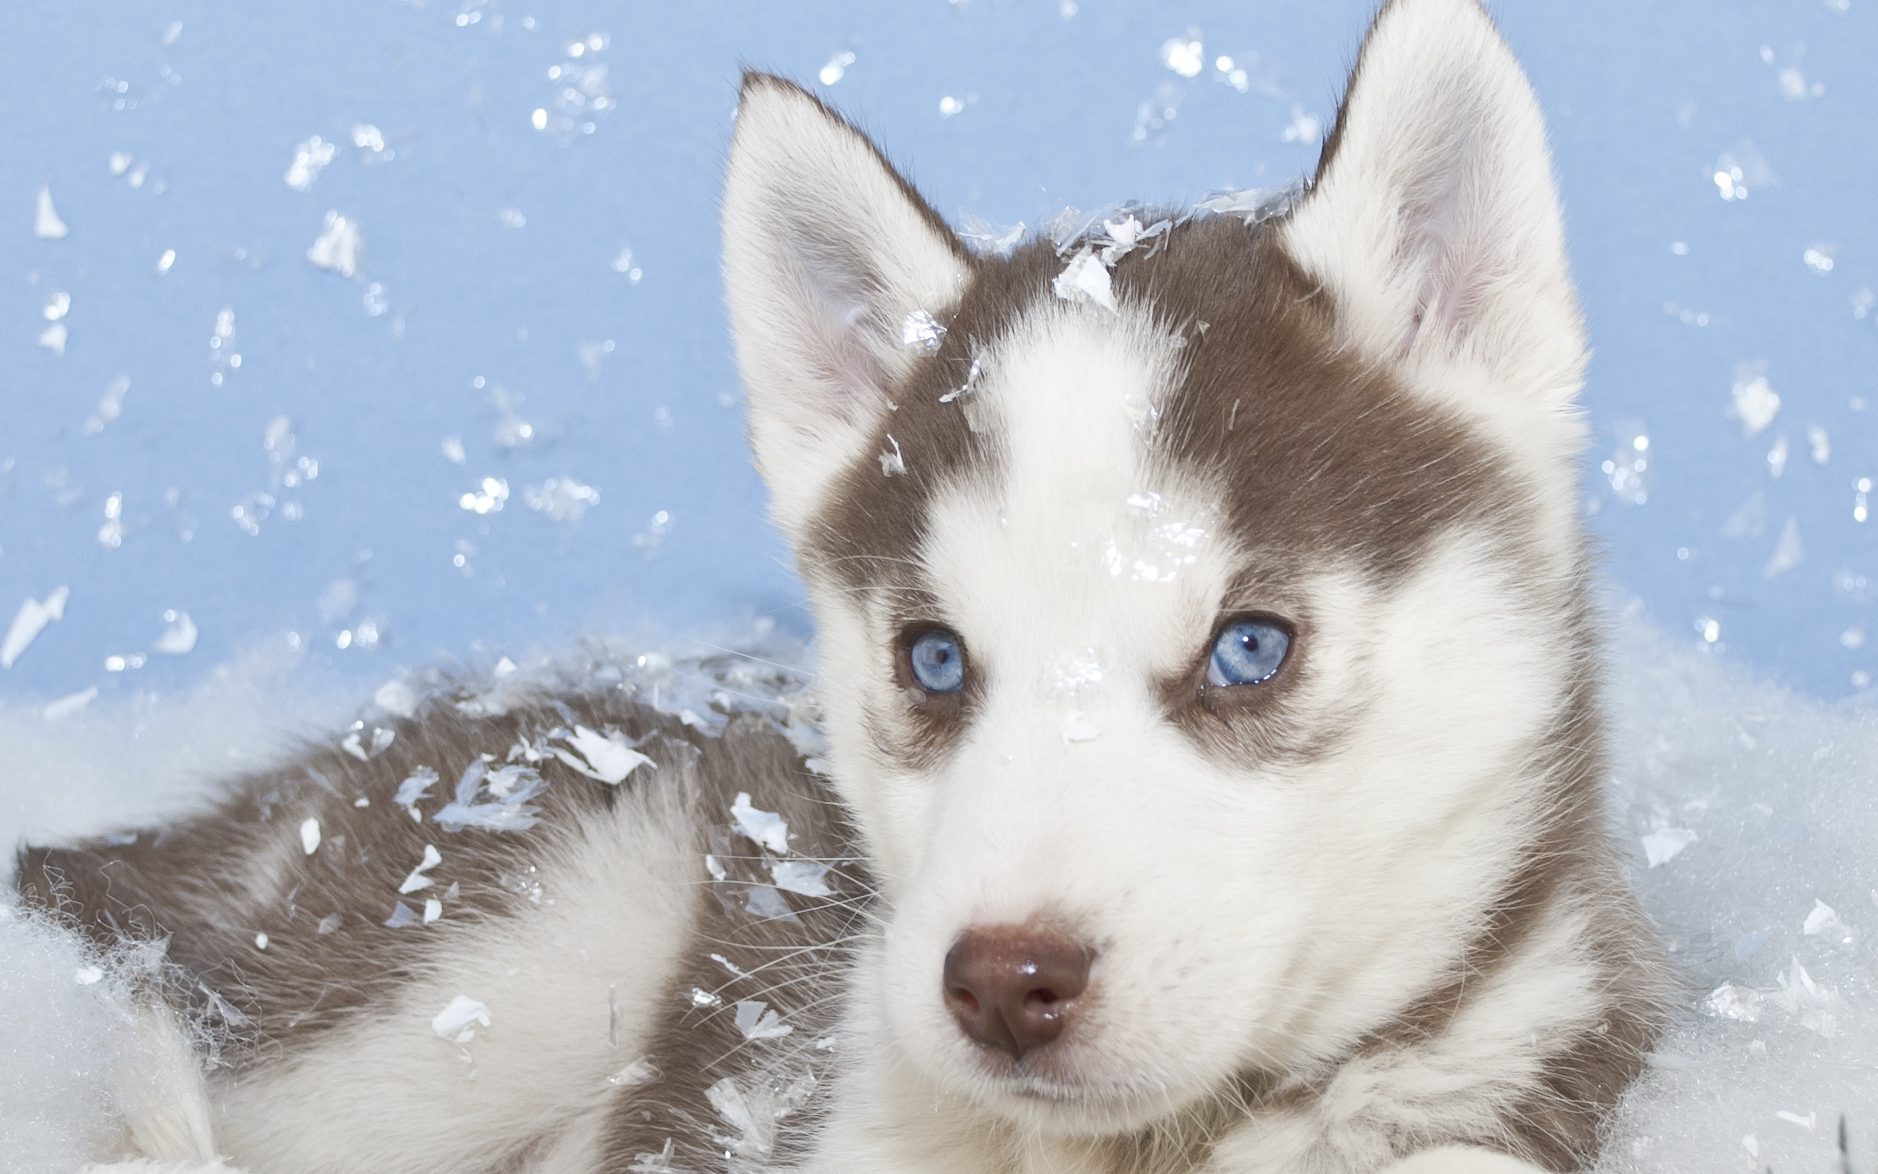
[1012, 987]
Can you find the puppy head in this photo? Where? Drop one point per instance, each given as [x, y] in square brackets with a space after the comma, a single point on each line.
[1199, 602]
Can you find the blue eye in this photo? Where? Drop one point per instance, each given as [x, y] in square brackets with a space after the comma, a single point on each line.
[1247, 652]
[938, 661]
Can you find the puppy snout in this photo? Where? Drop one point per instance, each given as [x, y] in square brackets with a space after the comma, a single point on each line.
[1014, 987]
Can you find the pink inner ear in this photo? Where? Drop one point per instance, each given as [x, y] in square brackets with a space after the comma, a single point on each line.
[844, 340]
[1444, 239]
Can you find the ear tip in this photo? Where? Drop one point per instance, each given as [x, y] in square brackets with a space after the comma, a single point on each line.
[758, 80]
[1442, 18]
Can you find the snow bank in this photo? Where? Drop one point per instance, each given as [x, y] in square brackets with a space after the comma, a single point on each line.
[1751, 816]
[1771, 906]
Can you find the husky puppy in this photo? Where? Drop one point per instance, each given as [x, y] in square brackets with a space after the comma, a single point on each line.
[1210, 689]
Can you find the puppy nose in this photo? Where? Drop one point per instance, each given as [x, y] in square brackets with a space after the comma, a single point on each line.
[1013, 987]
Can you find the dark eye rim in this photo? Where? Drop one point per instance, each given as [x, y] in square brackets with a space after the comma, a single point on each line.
[1210, 691]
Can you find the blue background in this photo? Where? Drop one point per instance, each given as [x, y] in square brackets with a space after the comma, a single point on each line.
[488, 294]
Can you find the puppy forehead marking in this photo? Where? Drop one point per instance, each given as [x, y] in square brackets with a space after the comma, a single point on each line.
[1083, 538]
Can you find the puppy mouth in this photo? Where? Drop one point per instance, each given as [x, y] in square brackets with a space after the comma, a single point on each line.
[1055, 1080]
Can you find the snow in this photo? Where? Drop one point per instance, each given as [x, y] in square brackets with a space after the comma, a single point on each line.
[1726, 256]
[607, 757]
[764, 828]
[458, 1022]
[30, 620]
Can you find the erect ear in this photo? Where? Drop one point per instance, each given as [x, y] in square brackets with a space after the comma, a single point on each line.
[827, 251]
[1434, 220]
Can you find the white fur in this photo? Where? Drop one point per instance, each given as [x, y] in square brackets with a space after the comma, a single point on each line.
[540, 1067]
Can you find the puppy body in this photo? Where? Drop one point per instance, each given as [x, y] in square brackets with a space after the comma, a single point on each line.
[1203, 619]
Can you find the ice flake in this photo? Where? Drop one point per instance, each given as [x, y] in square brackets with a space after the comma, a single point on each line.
[370, 143]
[757, 1022]
[608, 757]
[640, 1071]
[1824, 921]
[224, 1010]
[309, 836]
[396, 697]
[339, 246]
[561, 499]
[1304, 127]
[1186, 55]
[972, 375]
[417, 880]
[919, 330]
[433, 909]
[1819, 444]
[715, 867]
[331, 922]
[1734, 1001]
[111, 532]
[836, 67]
[1812, 1005]
[659, 1163]
[1628, 468]
[496, 800]
[30, 620]
[458, 1022]
[1810, 1122]
[401, 916]
[892, 462]
[46, 223]
[358, 747]
[223, 356]
[1789, 551]
[57, 306]
[999, 240]
[766, 903]
[624, 265]
[490, 495]
[54, 337]
[179, 634]
[1085, 279]
[88, 976]
[261, 940]
[805, 878]
[752, 1138]
[415, 787]
[309, 159]
[1665, 844]
[452, 449]
[701, 998]
[1777, 457]
[110, 406]
[1756, 403]
[765, 828]
[69, 704]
